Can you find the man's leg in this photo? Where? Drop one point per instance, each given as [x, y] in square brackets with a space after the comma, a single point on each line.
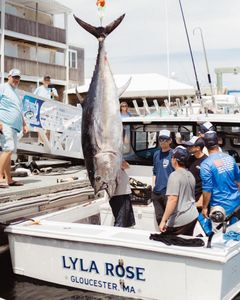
[8, 176]
[159, 203]
[5, 165]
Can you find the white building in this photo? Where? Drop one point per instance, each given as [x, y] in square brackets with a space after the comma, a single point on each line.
[31, 42]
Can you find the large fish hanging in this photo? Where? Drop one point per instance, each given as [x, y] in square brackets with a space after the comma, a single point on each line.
[101, 120]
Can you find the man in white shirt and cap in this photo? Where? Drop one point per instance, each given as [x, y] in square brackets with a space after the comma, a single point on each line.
[11, 122]
[46, 90]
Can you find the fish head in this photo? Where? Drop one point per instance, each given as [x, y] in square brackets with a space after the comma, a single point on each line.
[107, 165]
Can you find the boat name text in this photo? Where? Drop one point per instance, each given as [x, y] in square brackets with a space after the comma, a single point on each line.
[114, 270]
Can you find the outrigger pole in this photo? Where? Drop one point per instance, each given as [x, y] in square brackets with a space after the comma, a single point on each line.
[194, 68]
[206, 61]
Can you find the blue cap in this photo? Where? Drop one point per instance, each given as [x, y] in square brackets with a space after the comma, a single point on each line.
[195, 141]
[206, 126]
[181, 154]
[210, 139]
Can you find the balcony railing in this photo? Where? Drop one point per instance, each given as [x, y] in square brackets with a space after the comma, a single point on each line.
[76, 75]
[28, 27]
[30, 68]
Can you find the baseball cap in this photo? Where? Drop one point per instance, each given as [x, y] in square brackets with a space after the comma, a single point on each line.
[14, 72]
[195, 141]
[165, 134]
[206, 126]
[210, 139]
[181, 154]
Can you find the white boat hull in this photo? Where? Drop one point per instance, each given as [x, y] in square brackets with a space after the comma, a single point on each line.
[123, 262]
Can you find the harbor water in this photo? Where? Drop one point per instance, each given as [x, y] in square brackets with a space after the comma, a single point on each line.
[14, 287]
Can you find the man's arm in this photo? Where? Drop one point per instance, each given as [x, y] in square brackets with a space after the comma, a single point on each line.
[206, 200]
[171, 204]
[25, 128]
[153, 181]
[54, 94]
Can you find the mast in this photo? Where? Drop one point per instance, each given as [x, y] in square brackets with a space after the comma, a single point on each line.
[199, 96]
[167, 49]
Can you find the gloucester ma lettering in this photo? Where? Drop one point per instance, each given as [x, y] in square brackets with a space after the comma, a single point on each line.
[116, 271]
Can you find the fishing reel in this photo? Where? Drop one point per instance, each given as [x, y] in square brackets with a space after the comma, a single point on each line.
[219, 220]
[218, 216]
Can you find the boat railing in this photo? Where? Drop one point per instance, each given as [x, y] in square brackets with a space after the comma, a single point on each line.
[220, 104]
[54, 128]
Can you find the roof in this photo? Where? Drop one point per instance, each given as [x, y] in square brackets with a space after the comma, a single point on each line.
[146, 85]
[49, 7]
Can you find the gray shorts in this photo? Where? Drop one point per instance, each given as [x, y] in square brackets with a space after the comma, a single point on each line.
[8, 139]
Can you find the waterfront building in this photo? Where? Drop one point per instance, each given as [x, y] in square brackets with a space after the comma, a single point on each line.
[31, 42]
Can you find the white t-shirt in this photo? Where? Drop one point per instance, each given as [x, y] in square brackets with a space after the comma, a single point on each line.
[123, 186]
[44, 92]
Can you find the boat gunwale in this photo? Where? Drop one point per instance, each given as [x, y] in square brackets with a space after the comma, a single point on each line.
[203, 253]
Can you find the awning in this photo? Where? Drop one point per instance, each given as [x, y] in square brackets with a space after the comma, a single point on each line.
[146, 85]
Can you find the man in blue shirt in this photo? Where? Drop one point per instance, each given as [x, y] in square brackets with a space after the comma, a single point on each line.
[11, 122]
[220, 178]
[162, 168]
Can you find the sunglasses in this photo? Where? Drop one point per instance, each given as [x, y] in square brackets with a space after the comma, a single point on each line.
[16, 77]
[124, 106]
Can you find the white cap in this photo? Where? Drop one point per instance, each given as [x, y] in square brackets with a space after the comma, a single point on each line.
[165, 134]
[14, 72]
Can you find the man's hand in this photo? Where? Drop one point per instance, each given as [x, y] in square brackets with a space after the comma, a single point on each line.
[1, 127]
[205, 212]
[25, 129]
[163, 226]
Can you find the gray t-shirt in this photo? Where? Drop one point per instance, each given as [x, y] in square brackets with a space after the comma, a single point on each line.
[181, 183]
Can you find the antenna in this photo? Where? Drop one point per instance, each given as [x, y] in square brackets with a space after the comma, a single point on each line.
[194, 68]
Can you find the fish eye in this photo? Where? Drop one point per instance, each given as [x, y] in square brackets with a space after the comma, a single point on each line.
[98, 178]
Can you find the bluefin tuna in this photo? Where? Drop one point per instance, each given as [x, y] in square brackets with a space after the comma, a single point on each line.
[101, 120]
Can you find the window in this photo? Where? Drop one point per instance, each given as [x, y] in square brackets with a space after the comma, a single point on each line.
[73, 59]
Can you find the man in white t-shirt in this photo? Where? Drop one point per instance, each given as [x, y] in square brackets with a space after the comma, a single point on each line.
[46, 90]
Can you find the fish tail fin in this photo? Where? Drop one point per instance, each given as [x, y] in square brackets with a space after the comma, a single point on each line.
[100, 32]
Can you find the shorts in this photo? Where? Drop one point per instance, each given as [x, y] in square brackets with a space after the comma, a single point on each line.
[8, 139]
[185, 229]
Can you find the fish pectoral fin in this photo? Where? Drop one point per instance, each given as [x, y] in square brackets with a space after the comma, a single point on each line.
[80, 98]
[122, 89]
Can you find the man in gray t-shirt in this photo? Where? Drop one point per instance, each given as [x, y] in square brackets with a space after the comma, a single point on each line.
[180, 215]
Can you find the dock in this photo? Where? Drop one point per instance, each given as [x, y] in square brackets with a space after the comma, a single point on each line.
[42, 193]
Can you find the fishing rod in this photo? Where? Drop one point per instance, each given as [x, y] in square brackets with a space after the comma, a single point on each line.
[190, 48]
[207, 67]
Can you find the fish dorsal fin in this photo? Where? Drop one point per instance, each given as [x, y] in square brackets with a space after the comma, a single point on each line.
[100, 32]
[123, 88]
[80, 98]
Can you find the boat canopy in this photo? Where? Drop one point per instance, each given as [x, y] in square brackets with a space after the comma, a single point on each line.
[146, 85]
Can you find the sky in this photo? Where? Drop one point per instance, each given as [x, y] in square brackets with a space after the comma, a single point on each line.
[139, 44]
